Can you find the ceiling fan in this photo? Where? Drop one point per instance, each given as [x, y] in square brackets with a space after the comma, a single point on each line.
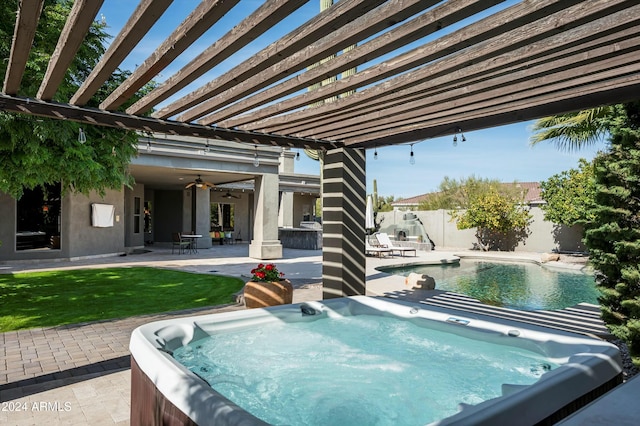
[228, 195]
[199, 183]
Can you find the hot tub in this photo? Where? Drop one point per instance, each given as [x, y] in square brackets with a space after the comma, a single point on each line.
[166, 392]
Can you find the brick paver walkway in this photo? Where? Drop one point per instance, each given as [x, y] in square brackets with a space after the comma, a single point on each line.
[39, 355]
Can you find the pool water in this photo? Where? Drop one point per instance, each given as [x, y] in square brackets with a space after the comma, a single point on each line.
[356, 370]
[522, 286]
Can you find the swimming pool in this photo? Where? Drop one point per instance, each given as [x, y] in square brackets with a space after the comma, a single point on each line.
[522, 286]
[555, 372]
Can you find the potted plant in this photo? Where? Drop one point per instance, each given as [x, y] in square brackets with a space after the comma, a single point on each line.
[267, 287]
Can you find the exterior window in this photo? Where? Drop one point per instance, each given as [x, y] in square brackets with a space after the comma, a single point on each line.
[136, 215]
[38, 218]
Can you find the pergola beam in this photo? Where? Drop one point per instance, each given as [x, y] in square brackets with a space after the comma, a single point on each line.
[120, 120]
[532, 75]
[328, 21]
[421, 26]
[75, 29]
[25, 30]
[246, 31]
[562, 82]
[495, 55]
[359, 29]
[579, 40]
[512, 18]
[142, 19]
[200, 20]
[621, 89]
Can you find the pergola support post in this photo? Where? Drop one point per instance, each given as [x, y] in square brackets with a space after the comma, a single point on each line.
[343, 213]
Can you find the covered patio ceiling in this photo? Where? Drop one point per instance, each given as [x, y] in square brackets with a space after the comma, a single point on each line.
[408, 70]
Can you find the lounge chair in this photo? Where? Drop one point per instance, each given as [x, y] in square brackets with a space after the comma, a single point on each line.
[374, 250]
[385, 241]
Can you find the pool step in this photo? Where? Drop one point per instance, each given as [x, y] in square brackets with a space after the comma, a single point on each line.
[583, 318]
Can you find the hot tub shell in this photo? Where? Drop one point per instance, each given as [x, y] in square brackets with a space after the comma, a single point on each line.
[165, 392]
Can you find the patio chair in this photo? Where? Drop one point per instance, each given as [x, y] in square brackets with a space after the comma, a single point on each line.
[177, 241]
[374, 250]
[385, 241]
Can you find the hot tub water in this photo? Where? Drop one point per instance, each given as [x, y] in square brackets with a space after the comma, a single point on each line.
[361, 369]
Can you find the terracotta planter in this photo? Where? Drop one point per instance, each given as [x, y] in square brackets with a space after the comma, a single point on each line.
[263, 294]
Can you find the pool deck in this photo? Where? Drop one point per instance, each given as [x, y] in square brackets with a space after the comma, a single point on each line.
[79, 374]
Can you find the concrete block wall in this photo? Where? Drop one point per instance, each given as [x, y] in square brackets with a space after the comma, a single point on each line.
[545, 236]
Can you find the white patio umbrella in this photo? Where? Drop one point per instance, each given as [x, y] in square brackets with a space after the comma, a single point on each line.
[368, 218]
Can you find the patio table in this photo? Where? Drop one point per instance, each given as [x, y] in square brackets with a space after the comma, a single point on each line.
[193, 241]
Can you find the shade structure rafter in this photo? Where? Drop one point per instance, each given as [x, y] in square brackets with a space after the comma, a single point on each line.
[421, 26]
[450, 73]
[328, 21]
[541, 73]
[424, 68]
[512, 19]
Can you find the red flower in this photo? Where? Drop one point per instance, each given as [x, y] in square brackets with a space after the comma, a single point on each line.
[266, 273]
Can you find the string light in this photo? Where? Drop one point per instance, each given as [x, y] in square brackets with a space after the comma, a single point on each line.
[412, 158]
[298, 156]
[375, 153]
[256, 160]
[206, 147]
[82, 138]
[455, 136]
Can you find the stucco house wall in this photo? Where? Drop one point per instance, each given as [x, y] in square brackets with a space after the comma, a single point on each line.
[80, 237]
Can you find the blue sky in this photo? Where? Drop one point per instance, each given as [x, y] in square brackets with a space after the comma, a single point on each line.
[501, 153]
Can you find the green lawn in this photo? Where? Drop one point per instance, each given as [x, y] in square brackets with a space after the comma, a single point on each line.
[46, 299]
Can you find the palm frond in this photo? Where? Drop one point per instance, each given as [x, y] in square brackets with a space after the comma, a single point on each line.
[572, 131]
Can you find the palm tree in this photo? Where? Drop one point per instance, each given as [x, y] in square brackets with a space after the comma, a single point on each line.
[574, 130]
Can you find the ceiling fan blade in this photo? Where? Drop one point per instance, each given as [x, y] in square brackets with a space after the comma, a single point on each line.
[189, 185]
[209, 184]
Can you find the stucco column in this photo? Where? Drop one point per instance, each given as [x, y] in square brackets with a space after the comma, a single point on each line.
[285, 215]
[265, 244]
[344, 202]
[203, 217]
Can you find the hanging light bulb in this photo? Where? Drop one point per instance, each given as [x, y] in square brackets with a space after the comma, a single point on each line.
[455, 136]
[375, 153]
[206, 147]
[298, 156]
[412, 158]
[256, 160]
[82, 138]
[148, 146]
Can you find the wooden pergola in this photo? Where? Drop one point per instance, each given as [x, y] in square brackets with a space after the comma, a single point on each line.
[532, 59]
[383, 72]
